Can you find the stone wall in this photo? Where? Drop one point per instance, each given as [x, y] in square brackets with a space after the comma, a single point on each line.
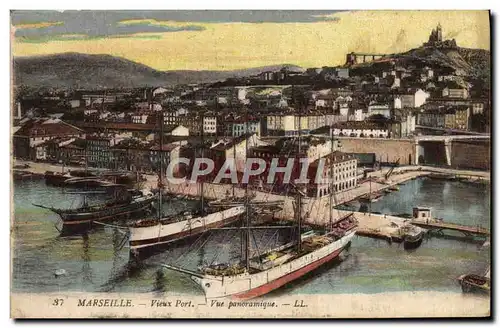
[467, 154]
[385, 150]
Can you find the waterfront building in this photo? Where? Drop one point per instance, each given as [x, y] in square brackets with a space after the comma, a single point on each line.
[98, 148]
[171, 151]
[132, 154]
[344, 167]
[36, 132]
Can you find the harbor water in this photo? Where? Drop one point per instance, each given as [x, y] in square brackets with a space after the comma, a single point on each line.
[98, 261]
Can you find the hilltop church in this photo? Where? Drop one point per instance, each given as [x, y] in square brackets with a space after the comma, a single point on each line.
[436, 39]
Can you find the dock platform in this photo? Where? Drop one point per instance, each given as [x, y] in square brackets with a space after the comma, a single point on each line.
[438, 226]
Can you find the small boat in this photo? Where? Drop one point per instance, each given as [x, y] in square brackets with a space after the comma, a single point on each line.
[472, 283]
[371, 198]
[413, 237]
[86, 182]
[56, 178]
[393, 188]
[18, 175]
[21, 166]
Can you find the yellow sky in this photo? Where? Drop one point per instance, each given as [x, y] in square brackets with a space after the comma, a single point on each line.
[226, 46]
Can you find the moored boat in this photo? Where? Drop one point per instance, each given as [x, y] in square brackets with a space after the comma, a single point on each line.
[472, 283]
[271, 270]
[149, 236]
[81, 219]
[413, 237]
[56, 178]
[371, 197]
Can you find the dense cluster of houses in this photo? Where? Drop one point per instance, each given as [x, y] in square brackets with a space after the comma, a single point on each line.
[119, 129]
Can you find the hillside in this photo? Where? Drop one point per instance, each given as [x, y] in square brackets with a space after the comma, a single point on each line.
[105, 71]
[468, 60]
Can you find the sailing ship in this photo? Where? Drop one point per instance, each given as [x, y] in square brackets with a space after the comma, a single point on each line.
[125, 204]
[257, 275]
[150, 236]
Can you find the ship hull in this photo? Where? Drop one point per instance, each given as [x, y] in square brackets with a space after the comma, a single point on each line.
[54, 179]
[248, 286]
[73, 223]
[145, 241]
[413, 244]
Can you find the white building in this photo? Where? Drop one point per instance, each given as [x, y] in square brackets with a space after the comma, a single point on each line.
[210, 125]
[237, 129]
[361, 129]
[455, 93]
[139, 118]
[379, 109]
[179, 130]
[414, 99]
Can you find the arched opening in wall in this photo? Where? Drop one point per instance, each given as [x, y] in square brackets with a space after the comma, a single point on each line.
[371, 135]
[362, 135]
[341, 134]
[421, 159]
[352, 134]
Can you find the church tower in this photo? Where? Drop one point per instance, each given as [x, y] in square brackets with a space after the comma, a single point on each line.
[439, 33]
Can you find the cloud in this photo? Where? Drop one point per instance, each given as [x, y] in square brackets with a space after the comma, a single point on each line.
[45, 26]
[37, 25]
[89, 24]
[82, 37]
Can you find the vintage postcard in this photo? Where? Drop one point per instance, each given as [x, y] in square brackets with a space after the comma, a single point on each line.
[250, 164]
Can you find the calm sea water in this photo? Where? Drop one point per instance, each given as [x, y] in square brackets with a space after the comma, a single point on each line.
[97, 262]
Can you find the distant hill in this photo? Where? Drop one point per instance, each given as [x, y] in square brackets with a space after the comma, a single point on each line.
[106, 71]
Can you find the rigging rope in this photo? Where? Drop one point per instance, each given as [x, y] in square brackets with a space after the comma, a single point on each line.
[112, 225]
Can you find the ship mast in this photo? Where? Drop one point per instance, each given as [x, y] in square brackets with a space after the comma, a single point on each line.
[202, 156]
[330, 183]
[160, 173]
[247, 216]
[299, 191]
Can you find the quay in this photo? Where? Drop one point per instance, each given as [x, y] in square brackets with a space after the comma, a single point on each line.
[438, 226]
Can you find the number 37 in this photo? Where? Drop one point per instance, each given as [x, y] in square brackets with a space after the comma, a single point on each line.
[57, 302]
